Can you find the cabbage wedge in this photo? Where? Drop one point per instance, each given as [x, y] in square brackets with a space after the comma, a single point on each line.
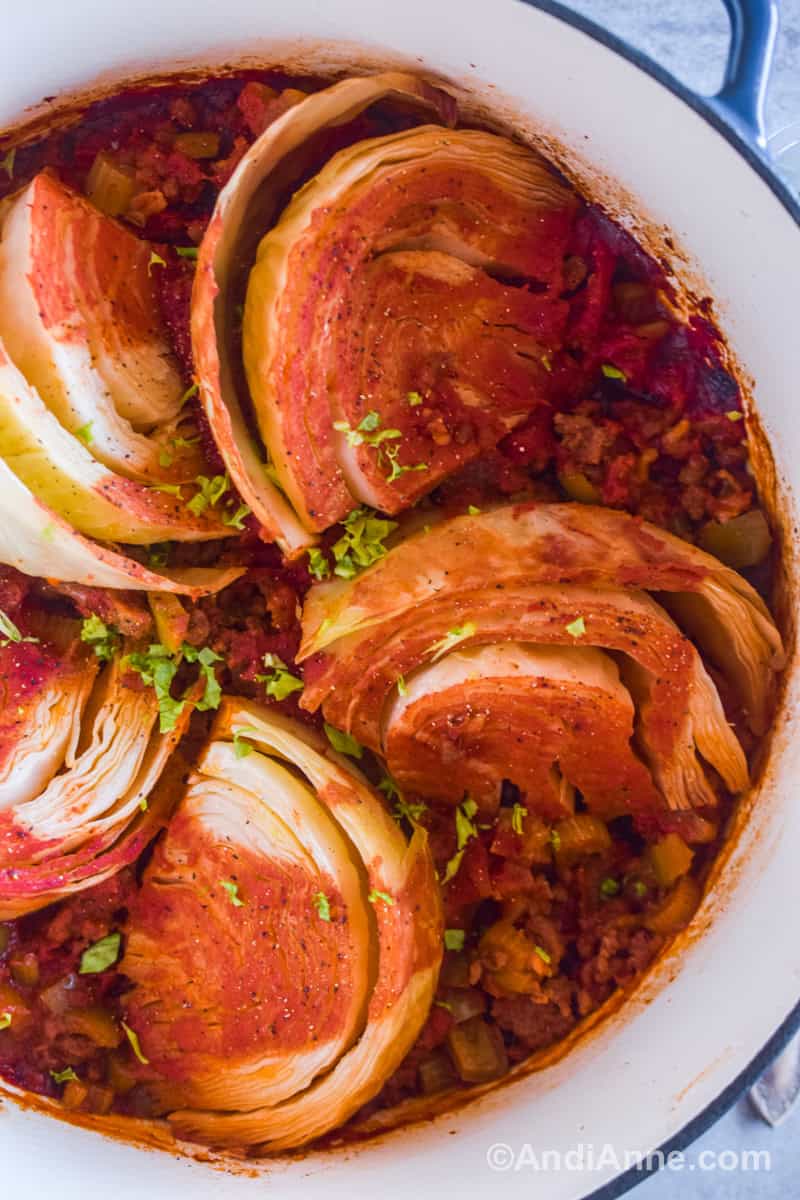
[326, 948]
[81, 758]
[80, 318]
[37, 541]
[419, 239]
[479, 651]
[244, 210]
[59, 469]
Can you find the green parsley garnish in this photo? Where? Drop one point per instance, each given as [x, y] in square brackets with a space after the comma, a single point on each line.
[411, 812]
[345, 743]
[367, 432]
[205, 659]
[233, 892]
[155, 261]
[396, 468]
[374, 896]
[466, 829]
[169, 489]
[323, 907]
[473, 510]
[639, 889]
[165, 459]
[10, 633]
[518, 814]
[454, 939]
[101, 955]
[158, 668]
[278, 680]
[733, 415]
[453, 636]
[65, 1076]
[414, 399]
[609, 887]
[318, 565]
[235, 520]
[5, 1020]
[577, 628]
[7, 162]
[361, 544]
[158, 554]
[186, 251]
[555, 840]
[190, 392]
[85, 433]
[101, 637]
[241, 748]
[402, 690]
[211, 490]
[133, 1038]
[443, 1004]
[543, 955]
[388, 785]
[612, 372]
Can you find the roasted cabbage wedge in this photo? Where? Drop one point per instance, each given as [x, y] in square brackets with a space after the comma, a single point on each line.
[80, 758]
[245, 209]
[39, 542]
[285, 942]
[80, 318]
[522, 644]
[421, 238]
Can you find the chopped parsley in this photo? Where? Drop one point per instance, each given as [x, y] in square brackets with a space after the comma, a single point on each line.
[157, 668]
[101, 955]
[367, 432]
[169, 489]
[577, 628]
[323, 906]
[85, 433]
[414, 399]
[555, 840]
[155, 261]
[186, 251]
[278, 680]
[133, 1038]
[165, 459]
[190, 392]
[205, 659]
[158, 555]
[10, 632]
[388, 785]
[453, 636]
[235, 520]
[318, 565]
[543, 955]
[473, 510]
[411, 812]
[233, 892]
[639, 889]
[7, 163]
[241, 748]
[374, 896]
[609, 887]
[466, 829]
[612, 372]
[518, 814]
[443, 1004]
[734, 415]
[402, 690]
[211, 489]
[361, 544]
[396, 469]
[454, 939]
[345, 743]
[5, 1020]
[65, 1076]
[101, 637]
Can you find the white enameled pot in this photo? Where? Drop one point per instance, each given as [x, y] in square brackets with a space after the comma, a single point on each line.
[697, 1031]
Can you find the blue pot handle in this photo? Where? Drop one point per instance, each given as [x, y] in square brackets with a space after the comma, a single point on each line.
[740, 101]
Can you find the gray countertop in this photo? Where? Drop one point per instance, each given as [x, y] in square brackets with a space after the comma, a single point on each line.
[689, 38]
